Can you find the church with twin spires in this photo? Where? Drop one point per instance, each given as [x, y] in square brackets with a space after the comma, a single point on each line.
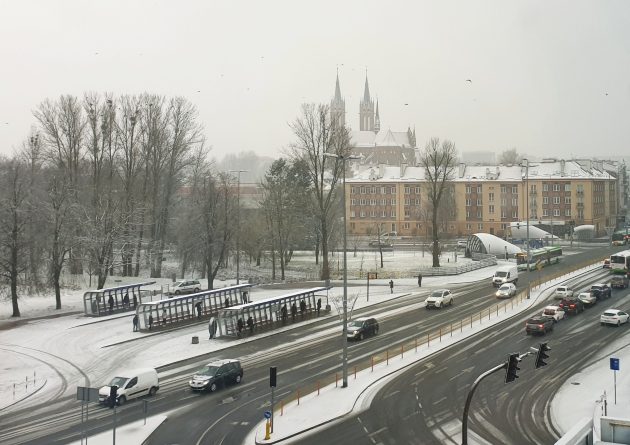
[375, 144]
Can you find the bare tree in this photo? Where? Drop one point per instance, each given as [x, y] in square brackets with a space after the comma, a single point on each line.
[13, 225]
[318, 134]
[510, 157]
[438, 161]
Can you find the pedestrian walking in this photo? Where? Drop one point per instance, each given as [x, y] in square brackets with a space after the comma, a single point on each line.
[212, 328]
[164, 317]
[135, 323]
[244, 296]
[135, 301]
[250, 324]
[126, 300]
[293, 311]
[419, 280]
[284, 313]
[198, 307]
[227, 301]
[239, 326]
[302, 308]
[150, 321]
[319, 305]
[391, 286]
[110, 301]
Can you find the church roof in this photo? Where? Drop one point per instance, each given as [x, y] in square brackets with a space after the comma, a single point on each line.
[384, 138]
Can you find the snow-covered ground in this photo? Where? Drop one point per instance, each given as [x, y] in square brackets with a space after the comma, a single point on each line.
[67, 351]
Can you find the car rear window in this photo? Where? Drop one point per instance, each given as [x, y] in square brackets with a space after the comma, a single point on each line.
[549, 312]
[610, 314]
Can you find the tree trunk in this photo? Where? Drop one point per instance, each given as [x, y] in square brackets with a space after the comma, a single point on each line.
[325, 267]
[434, 230]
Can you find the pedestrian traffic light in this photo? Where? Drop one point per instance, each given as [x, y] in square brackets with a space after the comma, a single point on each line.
[113, 393]
[272, 376]
[541, 356]
[512, 367]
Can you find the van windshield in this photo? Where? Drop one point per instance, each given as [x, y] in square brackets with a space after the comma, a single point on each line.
[208, 370]
[118, 381]
[355, 324]
[501, 274]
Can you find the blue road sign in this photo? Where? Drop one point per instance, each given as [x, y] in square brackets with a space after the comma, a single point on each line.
[614, 364]
[267, 414]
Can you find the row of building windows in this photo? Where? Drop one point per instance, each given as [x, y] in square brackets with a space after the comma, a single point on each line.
[383, 190]
[382, 201]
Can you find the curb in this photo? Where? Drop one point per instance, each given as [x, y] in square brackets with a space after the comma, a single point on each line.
[25, 397]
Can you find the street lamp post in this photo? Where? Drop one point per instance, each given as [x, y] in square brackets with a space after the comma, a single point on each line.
[238, 222]
[345, 269]
[527, 214]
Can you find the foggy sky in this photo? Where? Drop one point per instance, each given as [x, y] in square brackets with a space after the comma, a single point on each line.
[548, 77]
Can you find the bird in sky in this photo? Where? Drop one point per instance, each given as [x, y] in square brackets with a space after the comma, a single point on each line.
[606, 94]
[468, 80]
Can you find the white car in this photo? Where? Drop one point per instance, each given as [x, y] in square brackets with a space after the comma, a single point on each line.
[587, 298]
[563, 292]
[439, 298]
[554, 312]
[506, 291]
[185, 286]
[614, 317]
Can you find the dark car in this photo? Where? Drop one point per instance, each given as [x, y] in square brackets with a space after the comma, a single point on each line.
[619, 281]
[572, 305]
[216, 375]
[600, 291]
[362, 327]
[539, 325]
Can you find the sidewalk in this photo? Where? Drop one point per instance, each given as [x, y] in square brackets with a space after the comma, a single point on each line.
[134, 433]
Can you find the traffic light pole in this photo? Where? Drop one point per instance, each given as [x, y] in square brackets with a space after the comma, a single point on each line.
[470, 396]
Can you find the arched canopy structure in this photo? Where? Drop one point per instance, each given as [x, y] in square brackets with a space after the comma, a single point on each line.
[489, 244]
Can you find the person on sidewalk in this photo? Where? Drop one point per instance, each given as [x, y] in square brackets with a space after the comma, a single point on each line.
[319, 305]
[212, 328]
[135, 323]
[250, 324]
[419, 280]
[391, 286]
[110, 301]
[150, 321]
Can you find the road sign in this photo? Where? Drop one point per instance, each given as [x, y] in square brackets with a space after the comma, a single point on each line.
[267, 414]
[87, 394]
[614, 364]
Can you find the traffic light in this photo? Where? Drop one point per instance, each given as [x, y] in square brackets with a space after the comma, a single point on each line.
[272, 376]
[113, 393]
[512, 367]
[541, 356]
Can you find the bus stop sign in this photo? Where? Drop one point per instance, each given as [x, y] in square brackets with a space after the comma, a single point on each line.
[267, 414]
[614, 364]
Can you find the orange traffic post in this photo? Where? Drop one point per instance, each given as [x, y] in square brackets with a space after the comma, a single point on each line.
[268, 430]
[387, 363]
[318, 387]
[336, 379]
[402, 350]
[298, 396]
[355, 372]
[416, 340]
[281, 407]
[372, 358]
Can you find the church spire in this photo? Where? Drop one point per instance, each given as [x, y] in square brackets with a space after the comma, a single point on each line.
[366, 109]
[377, 120]
[338, 105]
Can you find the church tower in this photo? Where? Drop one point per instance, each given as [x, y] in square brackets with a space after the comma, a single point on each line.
[366, 110]
[338, 106]
[377, 121]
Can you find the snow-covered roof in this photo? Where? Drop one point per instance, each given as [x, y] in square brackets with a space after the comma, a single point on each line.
[384, 138]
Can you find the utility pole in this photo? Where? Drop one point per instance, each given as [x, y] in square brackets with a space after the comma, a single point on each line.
[238, 222]
[527, 214]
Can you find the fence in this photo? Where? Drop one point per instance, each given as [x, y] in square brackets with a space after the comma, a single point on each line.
[22, 388]
[425, 341]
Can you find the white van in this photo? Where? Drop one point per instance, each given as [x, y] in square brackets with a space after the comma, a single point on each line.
[131, 384]
[505, 274]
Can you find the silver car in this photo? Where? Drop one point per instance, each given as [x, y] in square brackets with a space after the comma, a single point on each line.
[587, 298]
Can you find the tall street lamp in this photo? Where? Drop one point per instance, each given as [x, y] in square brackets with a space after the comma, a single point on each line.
[343, 159]
[527, 213]
[238, 222]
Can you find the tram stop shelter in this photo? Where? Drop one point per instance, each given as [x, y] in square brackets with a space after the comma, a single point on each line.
[97, 303]
[266, 312]
[184, 309]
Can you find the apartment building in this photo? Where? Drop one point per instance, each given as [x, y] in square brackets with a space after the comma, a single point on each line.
[486, 199]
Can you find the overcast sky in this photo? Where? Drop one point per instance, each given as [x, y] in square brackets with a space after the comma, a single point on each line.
[548, 77]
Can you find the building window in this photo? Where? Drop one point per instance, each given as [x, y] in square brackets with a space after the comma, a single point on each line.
[503, 213]
[480, 226]
[556, 200]
[418, 226]
[407, 190]
[514, 213]
[478, 201]
[567, 187]
[407, 213]
[417, 201]
[353, 190]
[491, 209]
[417, 190]
[545, 200]
[532, 188]
[479, 190]
[352, 214]
[405, 225]
[384, 214]
[545, 187]
[407, 201]
[545, 212]
[362, 213]
[556, 212]
[384, 202]
[353, 202]
[567, 212]
[469, 226]
[392, 190]
[393, 214]
[556, 187]
[580, 188]
[373, 202]
[478, 213]
[468, 201]
[514, 190]
[467, 214]
[503, 202]
[490, 197]
[514, 202]
[373, 213]
[383, 190]
[567, 200]
[393, 201]
[468, 190]
[393, 227]
[504, 189]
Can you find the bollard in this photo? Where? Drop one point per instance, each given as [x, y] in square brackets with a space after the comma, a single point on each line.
[402, 351]
[267, 430]
[416, 341]
[318, 387]
[387, 363]
[461, 325]
[355, 372]
[440, 334]
[14, 391]
[428, 340]
[497, 310]
[372, 358]
[451, 329]
[488, 313]
[471, 322]
[281, 407]
[26, 384]
[298, 396]
[336, 379]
